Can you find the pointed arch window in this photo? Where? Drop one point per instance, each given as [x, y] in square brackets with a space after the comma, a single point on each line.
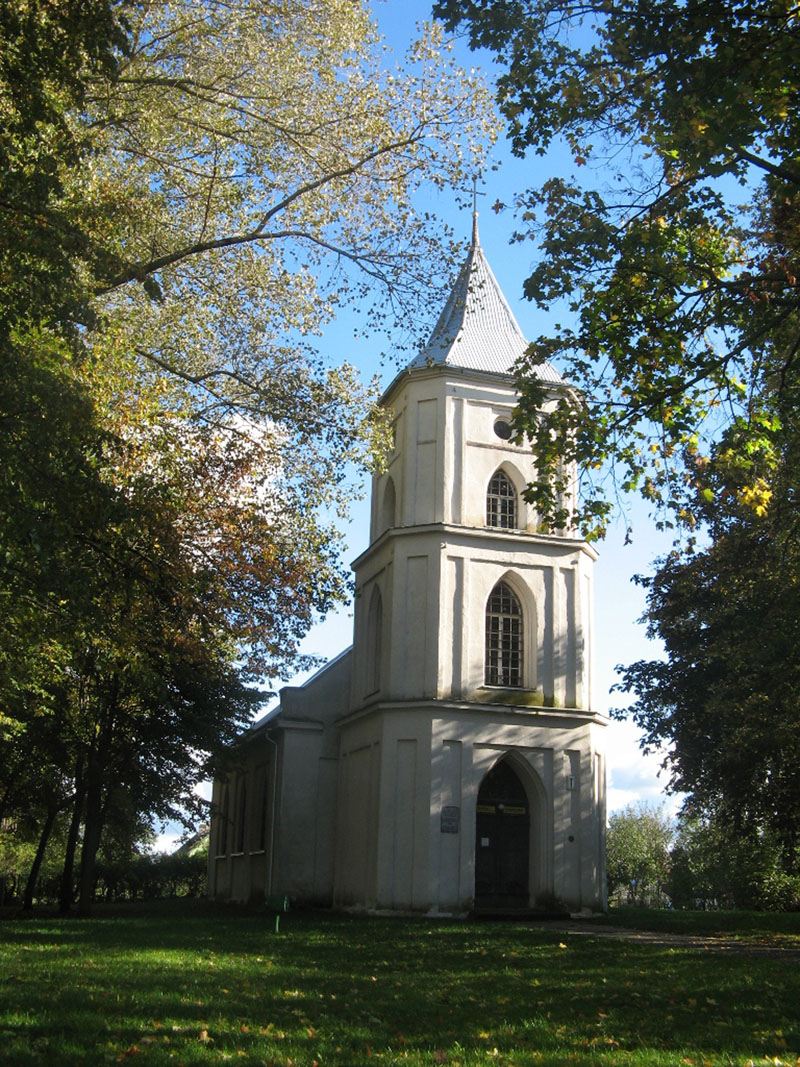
[504, 638]
[501, 502]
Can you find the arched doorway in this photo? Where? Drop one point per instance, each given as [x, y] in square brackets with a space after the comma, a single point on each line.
[502, 841]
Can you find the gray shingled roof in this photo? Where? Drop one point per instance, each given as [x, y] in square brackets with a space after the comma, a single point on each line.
[477, 329]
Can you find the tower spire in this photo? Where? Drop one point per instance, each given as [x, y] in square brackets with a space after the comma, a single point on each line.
[476, 329]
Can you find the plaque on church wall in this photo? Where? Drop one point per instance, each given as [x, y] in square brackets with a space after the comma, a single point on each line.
[451, 817]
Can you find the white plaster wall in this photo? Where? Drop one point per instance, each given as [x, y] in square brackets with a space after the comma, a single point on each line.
[300, 747]
[306, 813]
[238, 873]
[435, 583]
[358, 789]
[366, 770]
[446, 450]
[438, 565]
[377, 574]
[302, 812]
[401, 765]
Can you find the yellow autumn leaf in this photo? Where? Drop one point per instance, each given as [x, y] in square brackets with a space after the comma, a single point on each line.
[757, 496]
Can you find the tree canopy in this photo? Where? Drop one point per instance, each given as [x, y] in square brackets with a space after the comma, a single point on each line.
[189, 192]
[675, 252]
[723, 702]
[638, 854]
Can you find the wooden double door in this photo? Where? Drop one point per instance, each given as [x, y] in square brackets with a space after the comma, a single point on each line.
[502, 841]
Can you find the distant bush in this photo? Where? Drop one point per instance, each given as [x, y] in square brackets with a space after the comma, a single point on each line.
[715, 867]
[638, 855]
[154, 876]
[698, 863]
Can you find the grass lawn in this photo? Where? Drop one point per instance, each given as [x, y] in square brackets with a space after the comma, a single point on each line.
[186, 985]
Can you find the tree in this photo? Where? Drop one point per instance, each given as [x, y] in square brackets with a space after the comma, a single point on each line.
[210, 201]
[50, 442]
[681, 272]
[638, 854]
[207, 184]
[145, 687]
[260, 163]
[255, 168]
[714, 867]
[724, 701]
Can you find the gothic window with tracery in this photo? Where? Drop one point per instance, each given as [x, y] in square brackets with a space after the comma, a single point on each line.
[504, 637]
[501, 502]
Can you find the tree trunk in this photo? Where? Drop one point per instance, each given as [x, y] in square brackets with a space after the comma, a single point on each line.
[44, 837]
[92, 831]
[67, 875]
[36, 865]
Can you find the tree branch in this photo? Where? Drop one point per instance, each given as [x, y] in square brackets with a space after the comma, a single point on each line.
[777, 170]
[138, 271]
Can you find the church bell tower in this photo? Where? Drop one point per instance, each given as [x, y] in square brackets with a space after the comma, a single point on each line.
[471, 770]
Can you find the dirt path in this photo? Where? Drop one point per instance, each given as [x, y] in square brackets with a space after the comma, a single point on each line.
[721, 943]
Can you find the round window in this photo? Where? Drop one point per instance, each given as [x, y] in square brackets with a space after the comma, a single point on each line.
[503, 429]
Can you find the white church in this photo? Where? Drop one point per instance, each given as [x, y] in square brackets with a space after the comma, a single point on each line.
[449, 761]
